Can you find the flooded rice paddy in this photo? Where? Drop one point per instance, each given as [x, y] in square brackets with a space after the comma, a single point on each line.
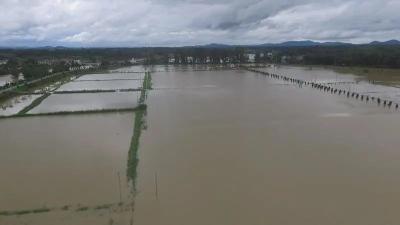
[212, 147]
[112, 76]
[89, 92]
[15, 104]
[101, 85]
[4, 79]
[87, 101]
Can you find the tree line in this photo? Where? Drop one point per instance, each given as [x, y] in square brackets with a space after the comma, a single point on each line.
[346, 55]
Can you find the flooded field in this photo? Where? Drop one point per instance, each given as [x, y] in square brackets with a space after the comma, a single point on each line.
[383, 86]
[70, 161]
[218, 147]
[15, 104]
[111, 76]
[101, 85]
[87, 101]
[4, 79]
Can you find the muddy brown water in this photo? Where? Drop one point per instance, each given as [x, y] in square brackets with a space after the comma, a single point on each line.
[221, 147]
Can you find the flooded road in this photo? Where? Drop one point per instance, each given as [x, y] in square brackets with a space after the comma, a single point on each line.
[220, 147]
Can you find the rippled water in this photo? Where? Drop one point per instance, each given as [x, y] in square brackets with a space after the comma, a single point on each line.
[237, 148]
[111, 76]
[221, 147]
[366, 84]
[101, 85]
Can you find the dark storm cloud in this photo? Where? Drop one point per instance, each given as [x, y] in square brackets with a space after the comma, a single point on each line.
[179, 22]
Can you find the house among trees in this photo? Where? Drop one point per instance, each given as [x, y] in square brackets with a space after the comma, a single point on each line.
[3, 61]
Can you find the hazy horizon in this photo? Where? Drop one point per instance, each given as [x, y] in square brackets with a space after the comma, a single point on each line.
[116, 45]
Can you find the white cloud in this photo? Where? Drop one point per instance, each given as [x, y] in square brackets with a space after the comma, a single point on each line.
[179, 22]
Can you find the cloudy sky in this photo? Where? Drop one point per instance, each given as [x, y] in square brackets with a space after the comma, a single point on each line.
[193, 22]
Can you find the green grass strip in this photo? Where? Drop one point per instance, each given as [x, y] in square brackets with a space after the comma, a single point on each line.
[133, 159]
[138, 108]
[35, 103]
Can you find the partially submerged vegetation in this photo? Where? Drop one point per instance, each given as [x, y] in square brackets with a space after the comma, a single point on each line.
[140, 124]
[133, 160]
[25, 211]
[138, 108]
[98, 91]
[35, 103]
[75, 208]
[146, 85]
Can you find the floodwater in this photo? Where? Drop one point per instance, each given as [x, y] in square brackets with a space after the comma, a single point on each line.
[73, 161]
[111, 76]
[4, 79]
[101, 85]
[236, 148]
[15, 104]
[221, 147]
[87, 101]
[383, 86]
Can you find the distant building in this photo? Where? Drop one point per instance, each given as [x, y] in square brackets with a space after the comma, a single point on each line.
[137, 60]
[285, 59]
[251, 57]
[133, 61]
[3, 61]
[45, 61]
[300, 58]
[189, 59]
[84, 66]
[92, 64]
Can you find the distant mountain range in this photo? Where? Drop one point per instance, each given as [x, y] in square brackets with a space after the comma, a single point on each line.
[306, 43]
[390, 42]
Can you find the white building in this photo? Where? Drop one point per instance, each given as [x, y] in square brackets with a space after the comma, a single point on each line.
[171, 60]
[189, 59]
[251, 57]
[3, 61]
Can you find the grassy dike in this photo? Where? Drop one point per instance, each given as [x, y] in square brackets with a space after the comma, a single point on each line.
[35, 103]
[98, 91]
[133, 161]
[138, 108]
[62, 77]
[138, 127]
[147, 85]
[44, 82]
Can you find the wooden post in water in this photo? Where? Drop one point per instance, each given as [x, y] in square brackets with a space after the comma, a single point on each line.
[119, 186]
[155, 181]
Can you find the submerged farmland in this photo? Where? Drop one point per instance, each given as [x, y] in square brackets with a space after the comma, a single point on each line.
[87, 93]
[204, 143]
[108, 165]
